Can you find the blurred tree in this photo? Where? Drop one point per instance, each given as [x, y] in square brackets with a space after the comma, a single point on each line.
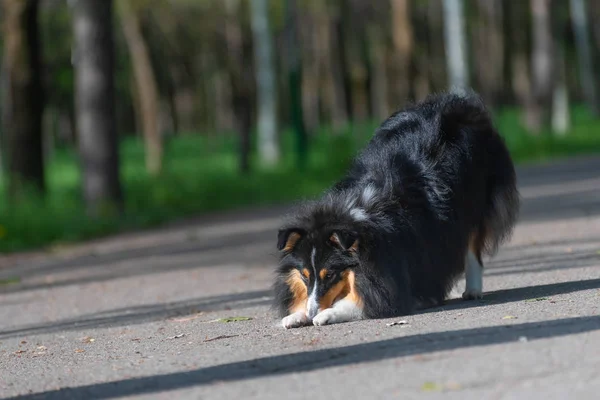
[561, 116]
[356, 56]
[488, 38]
[23, 101]
[587, 77]
[308, 42]
[239, 65]
[402, 56]
[145, 79]
[95, 104]
[456, 45]
[377, 49]
[517, 24]
[294, 70]
[430, 68]
[268, 148]
[332, 83]
[542, 71]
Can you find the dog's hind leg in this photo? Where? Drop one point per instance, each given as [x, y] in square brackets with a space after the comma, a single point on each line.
[473, 272]
[473, 278]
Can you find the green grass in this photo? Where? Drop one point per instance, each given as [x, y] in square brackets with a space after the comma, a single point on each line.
[201, 176]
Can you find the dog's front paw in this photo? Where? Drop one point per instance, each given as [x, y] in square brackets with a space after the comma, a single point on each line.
[325, 317]
[294, 320]
[472, 294]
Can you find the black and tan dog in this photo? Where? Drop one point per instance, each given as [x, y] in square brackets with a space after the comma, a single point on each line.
[432, 192]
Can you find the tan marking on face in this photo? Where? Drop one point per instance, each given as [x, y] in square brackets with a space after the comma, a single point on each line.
[345, 289]
[291, 242]
[306, 273]
[337, 291]
[352, 292]
[323, 273]
[354, 247]
[299, 292]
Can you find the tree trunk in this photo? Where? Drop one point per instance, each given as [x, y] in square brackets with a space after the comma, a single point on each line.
[268, 148]
[402, 57]
[542, 73]
[95, 105]
[379, 82]
[310, 72]
[587, 77]
[148, 97]
[240, 72]
[433, 61]
[332, 85]
[489, 42]
[517, 17]
[294, 69]
[23, 97]
[352, 46]
[456, 45]
[561, 117]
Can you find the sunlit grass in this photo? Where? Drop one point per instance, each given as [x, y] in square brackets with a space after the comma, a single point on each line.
[201, 175]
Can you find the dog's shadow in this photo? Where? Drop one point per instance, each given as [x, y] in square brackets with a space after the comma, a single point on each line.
[527, 293]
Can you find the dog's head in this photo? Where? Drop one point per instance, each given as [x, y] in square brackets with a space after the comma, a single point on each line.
[318, 263]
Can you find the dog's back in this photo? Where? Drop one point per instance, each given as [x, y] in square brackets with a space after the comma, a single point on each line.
[445, 153]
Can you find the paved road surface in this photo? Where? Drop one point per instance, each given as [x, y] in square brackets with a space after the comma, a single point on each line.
[137, 316]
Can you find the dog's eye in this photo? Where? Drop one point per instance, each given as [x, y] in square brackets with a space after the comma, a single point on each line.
[329, 275]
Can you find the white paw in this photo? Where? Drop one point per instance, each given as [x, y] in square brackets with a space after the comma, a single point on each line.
[295, 320]
[472, 294]
[325, 317]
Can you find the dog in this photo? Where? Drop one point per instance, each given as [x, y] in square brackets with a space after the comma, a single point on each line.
[432, 192]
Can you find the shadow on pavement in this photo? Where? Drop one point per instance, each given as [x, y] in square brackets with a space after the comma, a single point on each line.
[139, 314]
[518, 294]
[319, 359]
[543, 261]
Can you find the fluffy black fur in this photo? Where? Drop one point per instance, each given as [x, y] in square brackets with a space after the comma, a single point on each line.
[434, 176]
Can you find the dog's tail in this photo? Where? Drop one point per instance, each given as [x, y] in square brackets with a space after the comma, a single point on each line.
[502, 197]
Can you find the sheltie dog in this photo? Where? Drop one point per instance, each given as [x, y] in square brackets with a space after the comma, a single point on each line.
[432, 192]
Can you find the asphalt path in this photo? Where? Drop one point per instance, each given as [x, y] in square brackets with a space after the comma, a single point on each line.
[183, 313]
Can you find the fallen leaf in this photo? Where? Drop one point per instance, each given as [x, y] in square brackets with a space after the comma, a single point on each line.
[88, 339]
[42, 348]
[79, 351]
[403, 322]
[20, 351]
[537, 299]
[23, 342]
[234, 319]
[136, 339]
[509, 317]
[220, 337]
[431, 387]
[176, 336]
[10, 281]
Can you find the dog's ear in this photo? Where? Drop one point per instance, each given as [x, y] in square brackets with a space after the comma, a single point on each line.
[288, 238]
[345, 240]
